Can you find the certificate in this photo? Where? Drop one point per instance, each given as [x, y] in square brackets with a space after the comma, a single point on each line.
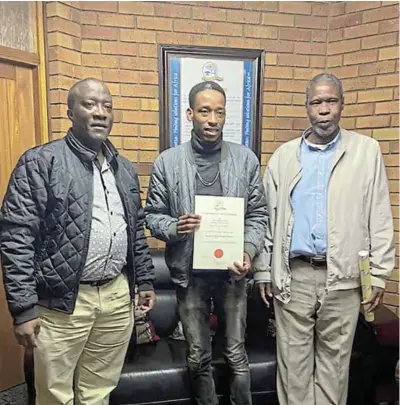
[220, 238]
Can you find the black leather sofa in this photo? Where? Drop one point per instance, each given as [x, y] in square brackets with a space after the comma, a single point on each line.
[156, 373]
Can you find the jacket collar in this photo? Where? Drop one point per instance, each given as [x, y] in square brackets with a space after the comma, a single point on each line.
[342, 142]
[344, 139]
[190, 154]
[88, 155]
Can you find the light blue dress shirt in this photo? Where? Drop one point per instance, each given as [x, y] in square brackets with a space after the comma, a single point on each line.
[309, 199]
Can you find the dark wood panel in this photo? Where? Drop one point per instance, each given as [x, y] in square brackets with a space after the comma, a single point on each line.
[19, 57]
[11, 354]
[24, 134]
[7, 71]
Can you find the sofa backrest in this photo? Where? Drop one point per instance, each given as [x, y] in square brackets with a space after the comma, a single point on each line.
[163, 279]
[164, 315]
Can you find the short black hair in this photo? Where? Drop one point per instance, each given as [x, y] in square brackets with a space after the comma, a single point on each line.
[74, 89]
[325, 77]
[209, 85]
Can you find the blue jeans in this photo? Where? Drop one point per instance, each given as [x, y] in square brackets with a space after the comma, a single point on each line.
[230, 302]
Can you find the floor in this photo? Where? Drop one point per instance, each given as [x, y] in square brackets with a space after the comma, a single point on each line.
[18, 396]
[14, 396]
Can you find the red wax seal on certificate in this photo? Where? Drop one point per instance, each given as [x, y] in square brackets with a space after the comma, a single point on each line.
[218, 253]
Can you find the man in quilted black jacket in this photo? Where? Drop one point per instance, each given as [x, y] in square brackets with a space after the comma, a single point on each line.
[73, 248]
[208, 165]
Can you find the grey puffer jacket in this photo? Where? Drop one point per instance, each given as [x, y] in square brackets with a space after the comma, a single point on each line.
[45, 226]
[172, 193]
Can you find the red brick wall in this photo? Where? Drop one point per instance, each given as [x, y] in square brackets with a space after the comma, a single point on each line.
[363, 50]
[117, 42]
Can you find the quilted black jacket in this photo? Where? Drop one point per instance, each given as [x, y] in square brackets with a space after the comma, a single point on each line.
[45, 226]
[172, 191]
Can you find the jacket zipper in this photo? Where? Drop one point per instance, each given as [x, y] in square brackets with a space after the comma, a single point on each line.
[128, 232]
[109, 221]
[327, 210]
[89, 226]
[295, 181]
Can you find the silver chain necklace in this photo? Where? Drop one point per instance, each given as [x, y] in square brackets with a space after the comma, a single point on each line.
[208, 183]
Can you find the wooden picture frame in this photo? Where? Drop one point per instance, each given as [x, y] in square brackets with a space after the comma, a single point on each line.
[239, 71]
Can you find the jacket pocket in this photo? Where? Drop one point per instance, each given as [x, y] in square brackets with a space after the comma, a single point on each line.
[134, 194]
[52, 247]
[55, 218]
[43, 247]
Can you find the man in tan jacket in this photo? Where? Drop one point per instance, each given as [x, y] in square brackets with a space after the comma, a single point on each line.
[328, 199]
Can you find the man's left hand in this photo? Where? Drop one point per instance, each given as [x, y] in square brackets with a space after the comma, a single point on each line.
[147, 300]
[375, 299]
[241, 269]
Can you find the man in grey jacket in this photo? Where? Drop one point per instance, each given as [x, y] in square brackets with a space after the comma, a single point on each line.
[207, 165]
[329, 199]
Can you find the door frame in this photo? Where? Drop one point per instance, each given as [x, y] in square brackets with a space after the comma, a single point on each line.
[37, 62]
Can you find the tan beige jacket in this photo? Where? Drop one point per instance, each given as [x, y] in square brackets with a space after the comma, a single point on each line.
[358, 213]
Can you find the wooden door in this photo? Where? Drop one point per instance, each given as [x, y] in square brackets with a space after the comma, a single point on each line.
[17, 117]
[23, 124]
[17, 134]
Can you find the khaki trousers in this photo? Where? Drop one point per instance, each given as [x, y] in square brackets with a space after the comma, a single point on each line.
[79, 356]
[315, 333]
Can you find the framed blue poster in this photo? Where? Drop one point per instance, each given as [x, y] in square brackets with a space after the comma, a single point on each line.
[238, 71]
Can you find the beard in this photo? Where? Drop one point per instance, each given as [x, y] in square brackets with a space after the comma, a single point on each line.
[325, 132]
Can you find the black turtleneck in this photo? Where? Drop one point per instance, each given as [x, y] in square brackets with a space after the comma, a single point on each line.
[207, 156]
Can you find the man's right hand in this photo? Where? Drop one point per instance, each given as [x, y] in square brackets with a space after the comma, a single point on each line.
[27, 332]
[265, 292]
[188, 223]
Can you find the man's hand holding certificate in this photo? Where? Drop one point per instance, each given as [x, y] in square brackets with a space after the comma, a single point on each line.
[188, 223]
[218, 241]
[241, 268]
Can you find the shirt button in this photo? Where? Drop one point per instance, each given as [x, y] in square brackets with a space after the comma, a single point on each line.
[111, 213]
[115, 233]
